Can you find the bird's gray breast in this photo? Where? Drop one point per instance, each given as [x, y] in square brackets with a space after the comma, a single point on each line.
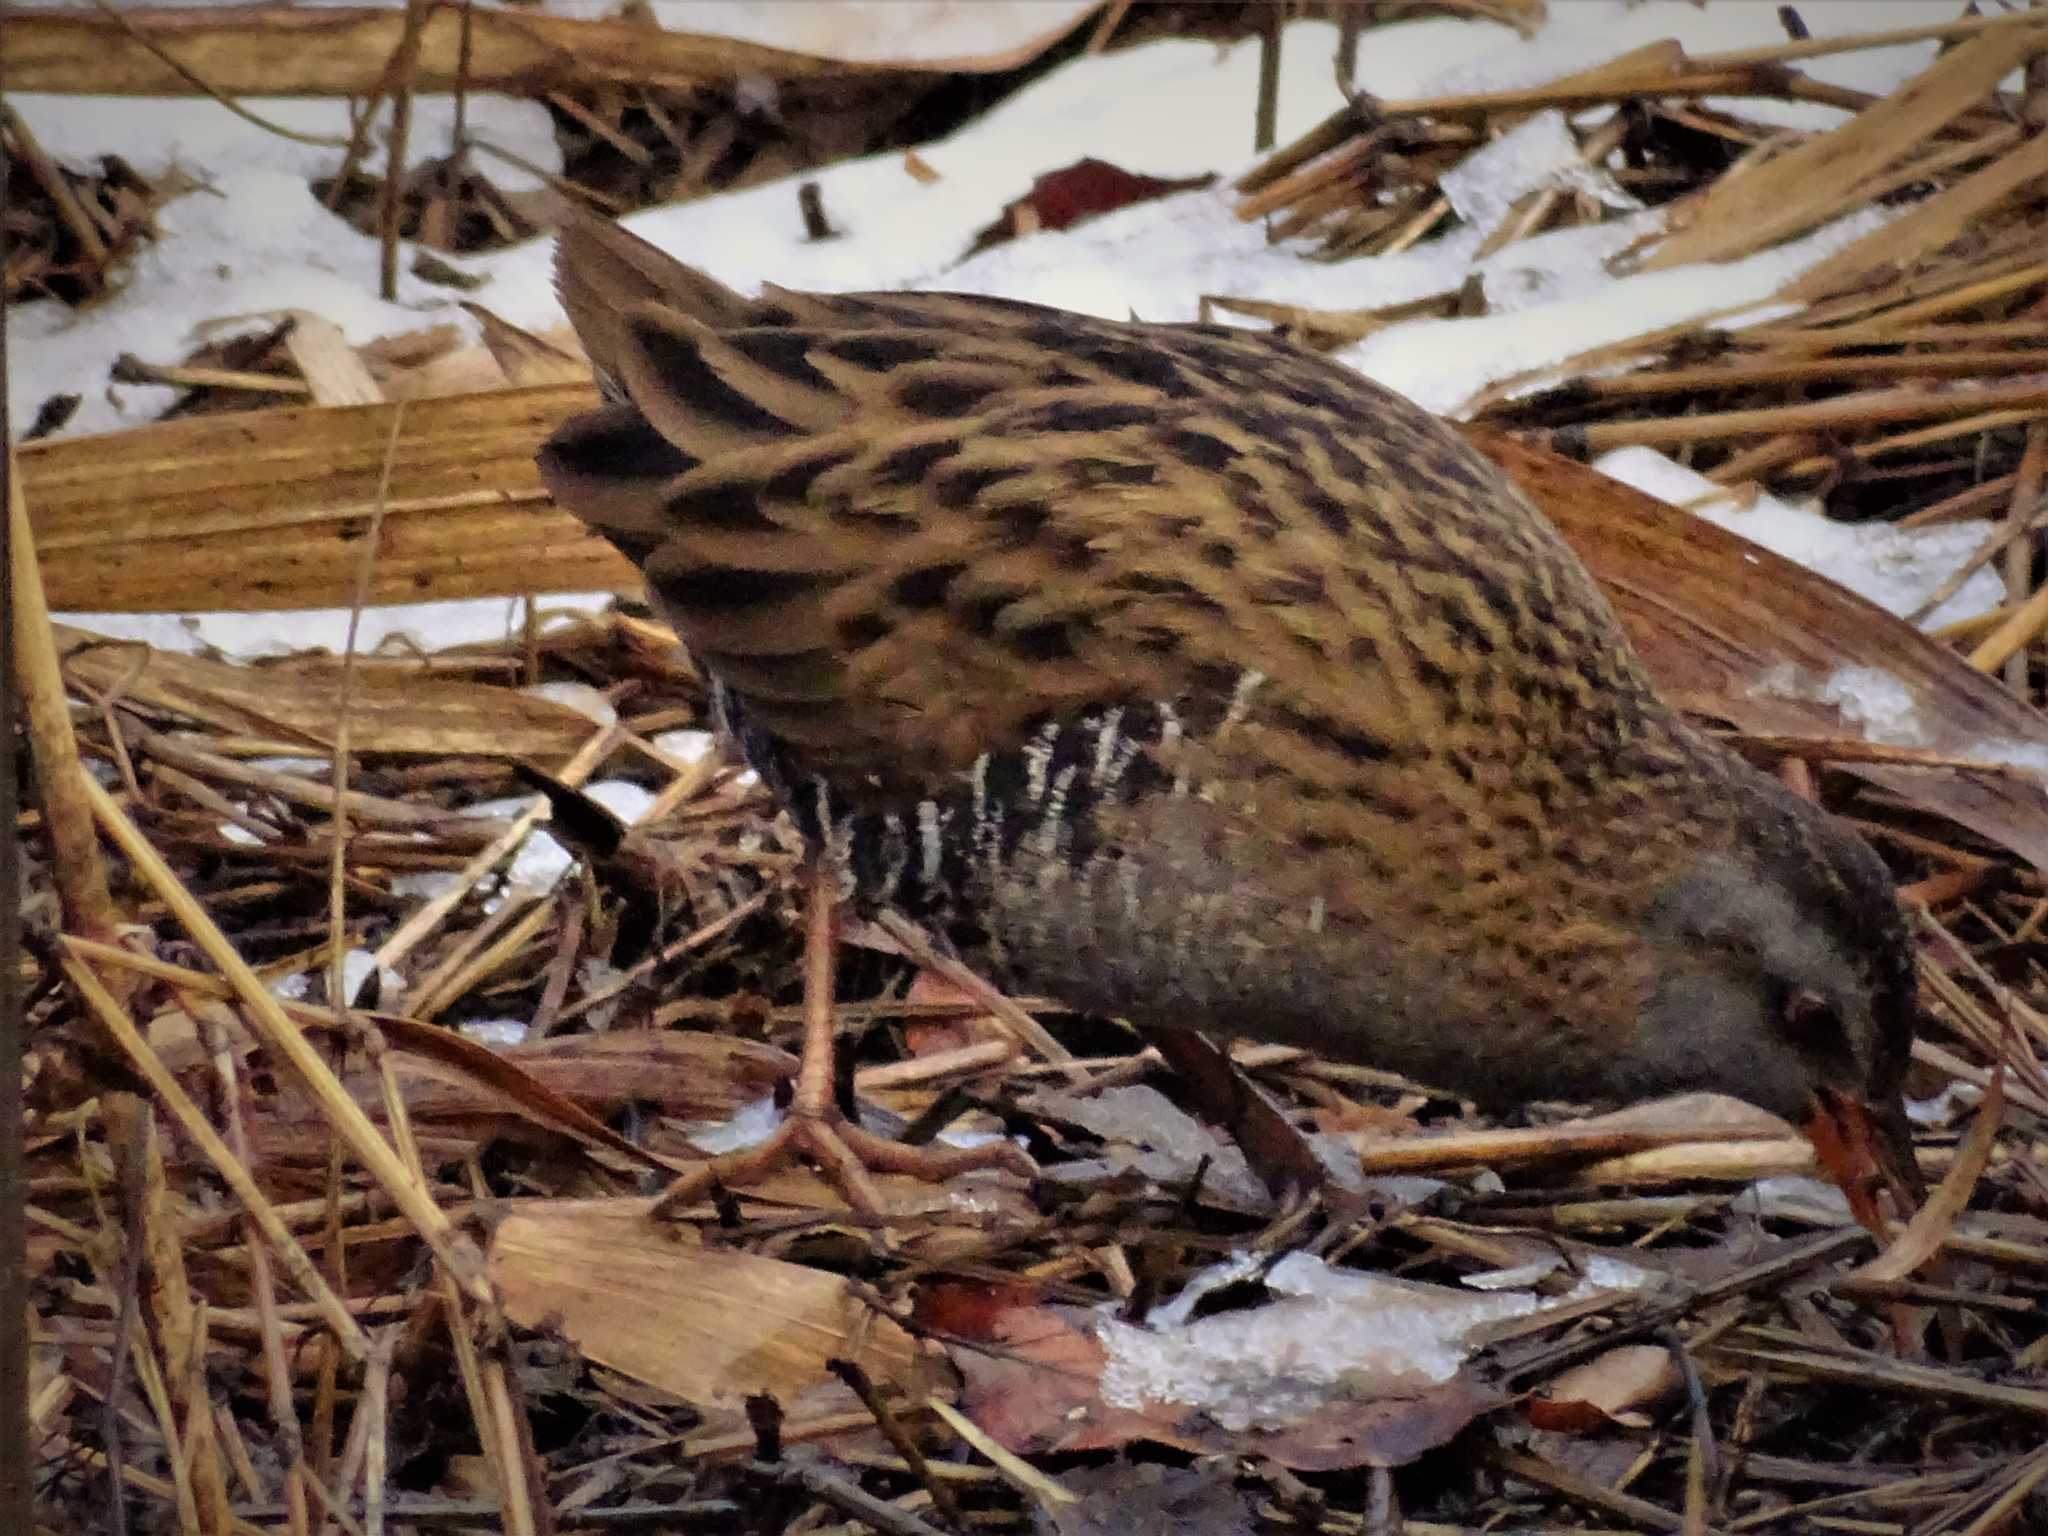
[1080, 866]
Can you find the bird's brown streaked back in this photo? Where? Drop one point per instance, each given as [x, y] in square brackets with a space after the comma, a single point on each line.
[1180, 673]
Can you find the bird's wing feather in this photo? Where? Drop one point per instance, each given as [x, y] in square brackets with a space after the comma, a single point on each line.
[905, 528]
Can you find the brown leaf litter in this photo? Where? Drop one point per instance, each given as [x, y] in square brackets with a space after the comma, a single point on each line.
[66, 229]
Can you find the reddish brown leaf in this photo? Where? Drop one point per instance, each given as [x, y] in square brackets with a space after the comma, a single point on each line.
[1060, 199]
[1615, 1387]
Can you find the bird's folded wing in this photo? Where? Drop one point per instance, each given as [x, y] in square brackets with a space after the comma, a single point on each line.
[905, 529]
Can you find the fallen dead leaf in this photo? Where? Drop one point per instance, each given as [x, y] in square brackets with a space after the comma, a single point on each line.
[710, 1325]
[1060, 199]
[1618, 1387]
[1712, 615]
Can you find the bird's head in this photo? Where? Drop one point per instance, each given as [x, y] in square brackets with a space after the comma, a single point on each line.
[1785, 977]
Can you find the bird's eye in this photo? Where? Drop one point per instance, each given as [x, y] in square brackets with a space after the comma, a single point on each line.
[1809, 1016]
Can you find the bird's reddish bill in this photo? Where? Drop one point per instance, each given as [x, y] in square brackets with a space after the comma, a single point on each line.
[1857, 1156]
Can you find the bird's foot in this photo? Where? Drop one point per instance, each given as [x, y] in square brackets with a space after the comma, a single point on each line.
[845, 1154]
[815, 1129]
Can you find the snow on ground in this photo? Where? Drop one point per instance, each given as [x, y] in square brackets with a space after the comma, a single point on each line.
[252, 241]
[1879, 705]
[249, 241]
[1328, 1336]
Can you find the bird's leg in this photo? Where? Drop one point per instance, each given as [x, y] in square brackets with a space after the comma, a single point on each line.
[814, 1127]
[818, 1063]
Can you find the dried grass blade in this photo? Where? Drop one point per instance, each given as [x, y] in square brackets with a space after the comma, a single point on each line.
[1852, 42]
[408, 934]
[264, 1011]
[1025, 1477]
[60, 777]
[1932, 225]
[192, 1120]
[1813, 181]
[390, 713]
[1876, 1373]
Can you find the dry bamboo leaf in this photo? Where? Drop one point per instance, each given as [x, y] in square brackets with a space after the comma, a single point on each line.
[562, 1085]
[261, 510]
[452, 1075]
[710, 1325]
[387, 713]
[1713, 616]
[1932, 1223]
[330, 366]
[1814, 181]
[269, 50]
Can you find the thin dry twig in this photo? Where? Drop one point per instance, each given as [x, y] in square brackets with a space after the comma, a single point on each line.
[112, 12]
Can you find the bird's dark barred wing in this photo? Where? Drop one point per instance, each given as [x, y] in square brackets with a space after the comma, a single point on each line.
[907, 531]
